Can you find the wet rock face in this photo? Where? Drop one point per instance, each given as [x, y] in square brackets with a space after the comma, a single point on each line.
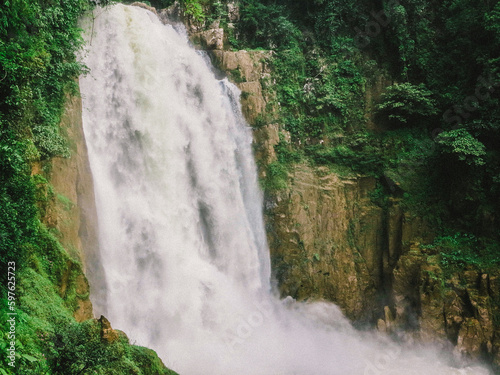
[250, 71]
[329, 241]
[212, 39]
[172, 14]
[314, 250]
[144, 6]
[472, 314]
[461, 307]
[70, 211]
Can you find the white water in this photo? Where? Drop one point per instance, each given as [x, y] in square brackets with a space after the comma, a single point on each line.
[181, 232]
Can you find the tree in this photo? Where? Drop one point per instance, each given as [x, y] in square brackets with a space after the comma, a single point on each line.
[406, 104]
[463, 145]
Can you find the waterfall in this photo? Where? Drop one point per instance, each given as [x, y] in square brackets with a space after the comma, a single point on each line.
[183, 244]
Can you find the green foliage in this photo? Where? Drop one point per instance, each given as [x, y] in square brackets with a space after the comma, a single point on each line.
[338, 17]
[18, 220]
[266, 25]
[461, 143]
[322, 73]
[194, 9]
[359, 152]
[461, 250]
[401, 33]
[359, 161]
[320, 83]
[405, 103]
[38, 66]
[285, 152]
[78, 348]
[276, 177]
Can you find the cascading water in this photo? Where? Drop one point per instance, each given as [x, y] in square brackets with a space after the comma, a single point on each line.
[181, 232]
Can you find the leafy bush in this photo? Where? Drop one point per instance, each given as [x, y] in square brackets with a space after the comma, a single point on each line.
[463, 145]
[405, 103]
[77, 348]
[194, 9]
[285, 152]
[362, 160]
[461, 250]
[276, 177]
[266, 26]
[18, 222]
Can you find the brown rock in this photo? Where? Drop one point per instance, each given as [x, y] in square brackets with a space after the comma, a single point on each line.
[394, 234]
[382, 326]
[172, 14]
[249, 70]
[453, 309]
[233, 11]
[144, 6]
[324, 240]
[470, 339]
[251, 65]
[432, 324]
[406, 291]
[108, 334]
[265, 138]
[84, 308]
[212, 39]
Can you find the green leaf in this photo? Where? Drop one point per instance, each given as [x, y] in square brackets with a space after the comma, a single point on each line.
[29, 358]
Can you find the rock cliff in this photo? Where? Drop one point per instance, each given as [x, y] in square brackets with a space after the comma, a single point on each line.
[67, 194]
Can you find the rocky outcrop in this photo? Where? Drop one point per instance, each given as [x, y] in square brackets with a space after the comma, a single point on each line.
[211, 39]
[460, 306]
[321, 234]
[250, 71]
[172, 14]
[330, 241]
[144, 6]
[108, 334]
